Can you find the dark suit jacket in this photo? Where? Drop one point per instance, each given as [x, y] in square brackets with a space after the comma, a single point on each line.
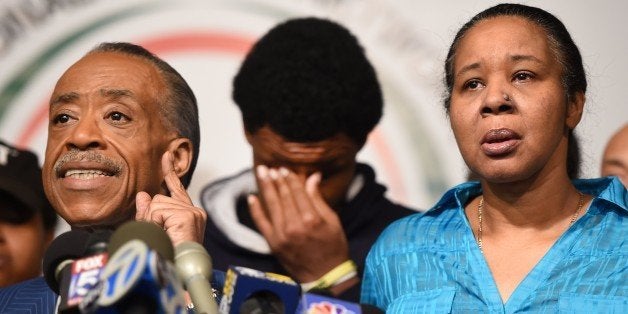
[34, 296]
[31, 296]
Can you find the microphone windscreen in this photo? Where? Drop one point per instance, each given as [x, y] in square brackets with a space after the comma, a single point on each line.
[97, 242]
[194, 267]
[149, 233]
[192, 259]
[67, 246]
[262, 302]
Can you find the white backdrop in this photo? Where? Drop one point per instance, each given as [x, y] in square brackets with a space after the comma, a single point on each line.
[412, 149]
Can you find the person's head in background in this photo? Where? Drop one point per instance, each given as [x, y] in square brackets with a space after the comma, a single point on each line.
[27, 221]
[113, 116]
[309, 98]
[553, 84]
[615, 158]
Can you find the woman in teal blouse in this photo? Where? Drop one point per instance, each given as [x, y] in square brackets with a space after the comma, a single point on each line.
[525, 238]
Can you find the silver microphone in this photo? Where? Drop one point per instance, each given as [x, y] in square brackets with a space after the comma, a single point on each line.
[194, 267]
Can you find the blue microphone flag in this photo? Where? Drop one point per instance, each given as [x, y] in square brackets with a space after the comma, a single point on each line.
[249, 288]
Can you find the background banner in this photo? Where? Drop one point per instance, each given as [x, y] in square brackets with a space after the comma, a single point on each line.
[412, 149]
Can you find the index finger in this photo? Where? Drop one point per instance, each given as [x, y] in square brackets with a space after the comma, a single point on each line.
[173, 183]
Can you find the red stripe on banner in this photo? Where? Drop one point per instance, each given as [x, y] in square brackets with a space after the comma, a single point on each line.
[38, 119]
[208, 41]
[388, 164]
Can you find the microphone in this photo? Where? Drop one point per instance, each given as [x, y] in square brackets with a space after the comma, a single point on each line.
[318, 304]
[66, 272]
[98, 241]
[84, 272]
[137, 278]
[194, 267]
[63, 250]
[252, 291]
[149, 233]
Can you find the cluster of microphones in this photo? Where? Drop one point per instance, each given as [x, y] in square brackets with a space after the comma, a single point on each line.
[136, 269]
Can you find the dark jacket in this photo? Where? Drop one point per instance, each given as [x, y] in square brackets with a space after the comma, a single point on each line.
[31, 296]
[231, 236]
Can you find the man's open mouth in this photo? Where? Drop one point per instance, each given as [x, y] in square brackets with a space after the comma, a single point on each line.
[85, 174]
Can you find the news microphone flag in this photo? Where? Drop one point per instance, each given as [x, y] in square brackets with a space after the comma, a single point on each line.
[72, 265]
[246, 286]
[136, 277]
[84, 275]
[60, 255]
[318, 304]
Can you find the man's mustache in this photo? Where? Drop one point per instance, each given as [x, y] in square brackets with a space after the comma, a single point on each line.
[108, 163]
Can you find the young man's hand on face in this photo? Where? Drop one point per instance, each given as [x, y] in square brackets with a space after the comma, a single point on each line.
[176, 213]
[303, 232]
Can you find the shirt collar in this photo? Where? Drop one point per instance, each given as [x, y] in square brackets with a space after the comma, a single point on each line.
[606, 188]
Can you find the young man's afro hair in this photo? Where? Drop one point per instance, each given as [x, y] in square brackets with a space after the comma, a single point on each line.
[308, 79]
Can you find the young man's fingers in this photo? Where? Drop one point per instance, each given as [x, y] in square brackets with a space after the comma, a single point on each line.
[299, 195]
[311, 187]
[289, 204]
[259, 217]
[269, 197]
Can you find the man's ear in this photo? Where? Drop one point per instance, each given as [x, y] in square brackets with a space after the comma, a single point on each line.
[182, 152]
[575, 107]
